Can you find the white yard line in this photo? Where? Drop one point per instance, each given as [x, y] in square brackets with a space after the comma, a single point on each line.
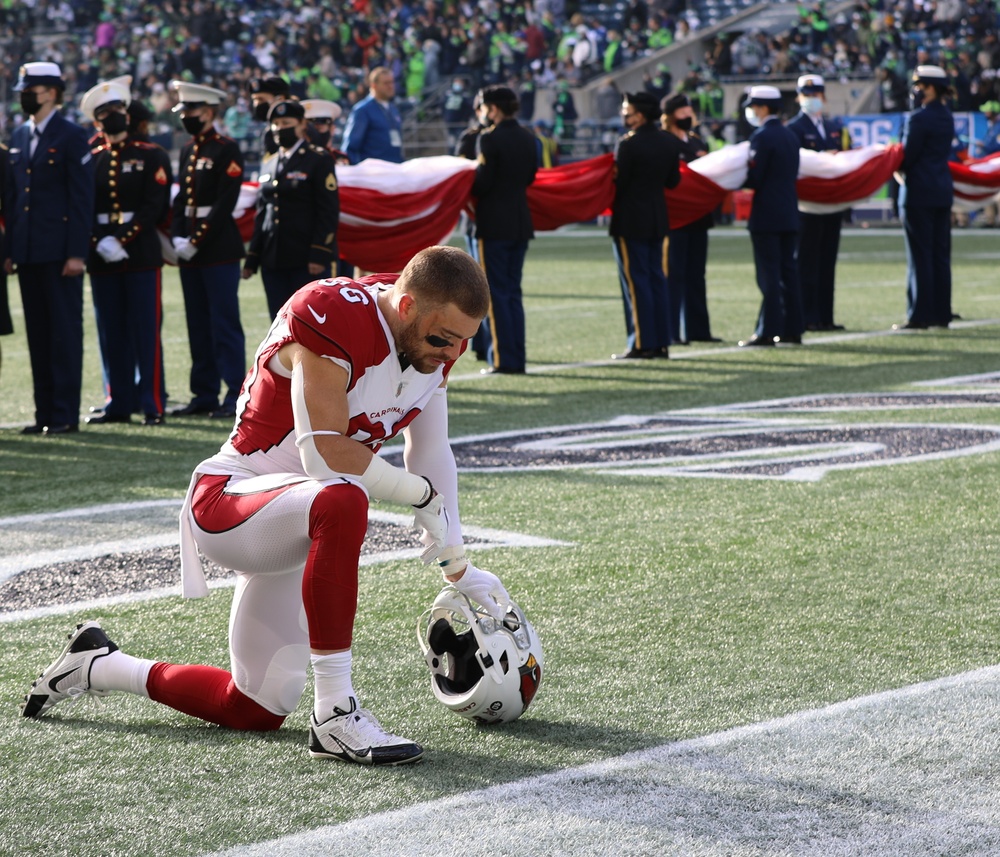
[903, 773]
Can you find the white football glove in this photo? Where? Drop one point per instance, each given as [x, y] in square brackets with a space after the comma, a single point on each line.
[185, 249]
[485, 589]
[110, 250]
[432, 518]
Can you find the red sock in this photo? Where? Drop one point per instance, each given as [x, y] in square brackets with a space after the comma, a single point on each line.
[209, 694]
[338, 522]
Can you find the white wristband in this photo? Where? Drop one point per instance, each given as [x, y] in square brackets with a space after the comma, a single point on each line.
[453, 556]
[384, 481]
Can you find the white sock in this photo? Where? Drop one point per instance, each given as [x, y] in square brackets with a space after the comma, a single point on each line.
[119, 671]
[333, 683]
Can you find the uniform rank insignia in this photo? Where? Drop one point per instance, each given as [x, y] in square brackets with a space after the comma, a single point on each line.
[331, 182]
[161, 176]
[234, 169]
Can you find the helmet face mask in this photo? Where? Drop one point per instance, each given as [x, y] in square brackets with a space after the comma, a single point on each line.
[483, 670]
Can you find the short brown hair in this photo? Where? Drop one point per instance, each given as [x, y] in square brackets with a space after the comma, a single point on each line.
[438, 276]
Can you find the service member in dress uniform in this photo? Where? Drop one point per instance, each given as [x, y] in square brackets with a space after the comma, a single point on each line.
[646, 162]
[925, 199]
[209, 249]
[264, 93]
[772, 170]
[687, 255]
[507, 164]
[126, 260]
[819, 234]
[49, 206]
[295, 230]
[320, 118]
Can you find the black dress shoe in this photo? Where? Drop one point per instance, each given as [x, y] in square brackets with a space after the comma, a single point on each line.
[154, 420]
[788, 340]
[101, 419]
[500, 370]
[63, 429]
[97, 409]
[832, 326]
[636, 354]
[756, 342]
[192, 408]
[223, 413]
[663, 352]
[36, 429]
[909, 325]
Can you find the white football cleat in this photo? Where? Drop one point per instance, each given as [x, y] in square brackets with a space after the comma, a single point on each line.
[356, 736]
[68, 676]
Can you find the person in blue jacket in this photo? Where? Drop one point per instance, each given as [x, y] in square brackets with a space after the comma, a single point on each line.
[374, 128]
[49, 205]
[772, 170]
[925, 199]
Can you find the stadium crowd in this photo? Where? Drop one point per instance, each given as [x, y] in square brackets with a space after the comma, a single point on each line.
[325, 51]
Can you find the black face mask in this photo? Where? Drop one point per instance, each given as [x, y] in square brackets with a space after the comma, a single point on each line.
[285, 137]
[29, 102]
[114, 123]
[320, 138]
[916, 98]
[684, 124]
[260, 110]
[194, 125]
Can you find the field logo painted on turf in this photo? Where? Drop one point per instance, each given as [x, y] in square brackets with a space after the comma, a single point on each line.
[776, 442]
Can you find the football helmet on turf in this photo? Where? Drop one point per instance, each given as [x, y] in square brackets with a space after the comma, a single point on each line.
[481, 669]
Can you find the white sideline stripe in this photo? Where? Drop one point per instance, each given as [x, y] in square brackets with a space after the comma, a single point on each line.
[902, 772]
[477, 538]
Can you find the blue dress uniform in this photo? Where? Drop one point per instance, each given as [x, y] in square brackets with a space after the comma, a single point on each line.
[49, 206]
[774, 226]
[819, 234]
[210, 172]
[6, 323]
[925, 208]
[132, 181]
[688, 257]
[507, 165]
[298, 208]
[646, 162]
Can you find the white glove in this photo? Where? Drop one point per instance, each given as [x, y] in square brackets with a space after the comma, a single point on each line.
[110, 250]
[485, 589]
[185, 249]
[432, 518]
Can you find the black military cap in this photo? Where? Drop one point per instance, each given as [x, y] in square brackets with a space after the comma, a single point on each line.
[273, 85]
[286, 110]
[501, 96]
[644, 102]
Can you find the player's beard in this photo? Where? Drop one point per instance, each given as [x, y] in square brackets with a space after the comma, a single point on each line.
[413, 350]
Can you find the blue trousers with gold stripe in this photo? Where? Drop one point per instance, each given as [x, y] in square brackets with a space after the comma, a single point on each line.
[503, 262]
[642, 273]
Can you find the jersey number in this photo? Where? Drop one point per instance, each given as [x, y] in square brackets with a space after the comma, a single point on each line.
[354, 296]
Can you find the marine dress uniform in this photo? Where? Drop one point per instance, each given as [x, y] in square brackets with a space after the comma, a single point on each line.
[819, 234]
[132, 180]
[298, 208]
[774, 224]
[49, 208]
[925, 205]
[209, 249]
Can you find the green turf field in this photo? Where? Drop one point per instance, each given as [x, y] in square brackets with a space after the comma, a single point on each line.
[679, 607]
